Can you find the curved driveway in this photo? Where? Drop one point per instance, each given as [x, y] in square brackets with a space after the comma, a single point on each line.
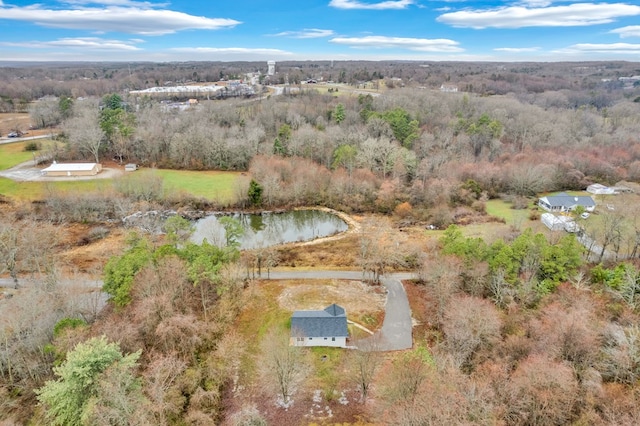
[396, 332]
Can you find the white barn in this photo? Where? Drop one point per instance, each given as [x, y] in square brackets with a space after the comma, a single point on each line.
[72, 169]
[564, 202]
[320, 328]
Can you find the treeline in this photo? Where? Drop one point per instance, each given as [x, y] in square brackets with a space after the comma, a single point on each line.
[427, 148]
[173, 304]
[520, 332]
[20, 85]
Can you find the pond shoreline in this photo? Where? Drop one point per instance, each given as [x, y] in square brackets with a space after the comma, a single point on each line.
[352, 224]
[151, 221]
[304, 225]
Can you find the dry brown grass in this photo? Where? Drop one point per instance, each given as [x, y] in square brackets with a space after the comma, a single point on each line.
[364, 303]
[11, 121]
[335, 254]
[78, 255]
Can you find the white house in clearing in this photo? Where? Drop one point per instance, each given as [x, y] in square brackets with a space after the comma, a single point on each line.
[320, 328]
[564, 202]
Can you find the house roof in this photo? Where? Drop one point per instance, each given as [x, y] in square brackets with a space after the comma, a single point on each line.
[329, 322]
[70, 167]
[565, 200]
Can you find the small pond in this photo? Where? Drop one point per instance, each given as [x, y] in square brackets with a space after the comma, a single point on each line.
[267, 229]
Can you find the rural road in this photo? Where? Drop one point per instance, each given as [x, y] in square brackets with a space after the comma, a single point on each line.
[26, 138]
[396, 331]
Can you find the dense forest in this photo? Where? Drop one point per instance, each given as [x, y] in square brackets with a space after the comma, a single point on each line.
[514, 328]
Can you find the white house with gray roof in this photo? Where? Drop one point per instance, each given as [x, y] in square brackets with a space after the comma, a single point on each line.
[327, 327]
[564, 202]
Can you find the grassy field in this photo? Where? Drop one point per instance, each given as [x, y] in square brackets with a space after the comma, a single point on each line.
[24, 191]
[223, 187]
[29, 191]
[502, 209]
[12, 154]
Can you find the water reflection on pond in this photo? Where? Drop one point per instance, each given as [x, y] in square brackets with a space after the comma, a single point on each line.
[267, 229]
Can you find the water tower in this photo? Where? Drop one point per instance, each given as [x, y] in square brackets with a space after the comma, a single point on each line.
[271, 67]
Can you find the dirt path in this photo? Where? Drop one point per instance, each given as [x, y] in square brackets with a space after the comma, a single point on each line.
[354, 227]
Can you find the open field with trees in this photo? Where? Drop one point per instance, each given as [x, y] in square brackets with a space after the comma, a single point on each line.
[513, 324]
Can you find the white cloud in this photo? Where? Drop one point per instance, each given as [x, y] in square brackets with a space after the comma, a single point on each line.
[307, 33]
[416, 44]
[578, 14]
[630, 31]
[133, 20]
[232, 50]
[517, 49]
[130, 3]
[383, 5]
[588, 48]
[535, 3]
[84, 43]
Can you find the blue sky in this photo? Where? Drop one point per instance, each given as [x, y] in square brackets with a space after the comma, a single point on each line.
[280, 30]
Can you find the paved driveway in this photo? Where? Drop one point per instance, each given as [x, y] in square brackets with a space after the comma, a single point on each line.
[396, 331]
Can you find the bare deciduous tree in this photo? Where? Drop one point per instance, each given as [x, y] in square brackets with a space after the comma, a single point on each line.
[620, 360]
[380, 249]
[284, 365]
[541, 392]
[83, 129]
[470, 324]
[363, 364]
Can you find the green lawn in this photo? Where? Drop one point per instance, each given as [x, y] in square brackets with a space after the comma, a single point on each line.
[502, 209]
[26, 191]
[29, 191]
[211, 185]
[12, 154]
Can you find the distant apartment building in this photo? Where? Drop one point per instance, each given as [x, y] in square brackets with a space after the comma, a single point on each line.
[450, 88]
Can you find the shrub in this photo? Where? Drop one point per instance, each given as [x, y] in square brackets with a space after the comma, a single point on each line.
[32, 146]
[97, 233]
[67, 323]
[403, 210]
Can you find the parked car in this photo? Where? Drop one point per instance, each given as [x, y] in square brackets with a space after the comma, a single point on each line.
[14, 134]
[585, 215]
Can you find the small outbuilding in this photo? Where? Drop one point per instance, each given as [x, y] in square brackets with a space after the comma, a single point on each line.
[558, 223]
[600, 189]
[130, 167]
[327, 327]
[72, 169]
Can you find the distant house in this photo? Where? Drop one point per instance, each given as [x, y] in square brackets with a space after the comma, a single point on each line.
[600, 189]
[72, 169]
[320, 328]
[449, 88]
[130, 167]
[564, 202]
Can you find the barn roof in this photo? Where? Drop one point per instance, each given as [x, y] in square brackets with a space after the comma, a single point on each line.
[70, 167]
